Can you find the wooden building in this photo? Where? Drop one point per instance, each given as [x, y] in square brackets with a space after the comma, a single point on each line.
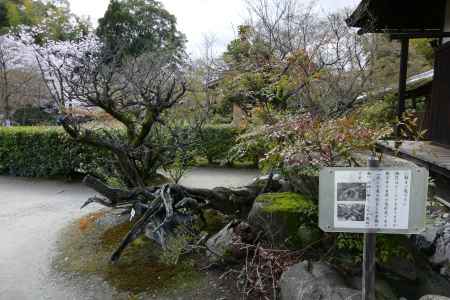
[409, 19]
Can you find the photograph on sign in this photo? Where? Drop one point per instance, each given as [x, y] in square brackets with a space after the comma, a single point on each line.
[355, 191]
[351, 212]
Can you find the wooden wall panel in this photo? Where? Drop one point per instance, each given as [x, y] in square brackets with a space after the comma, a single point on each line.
[440, 104]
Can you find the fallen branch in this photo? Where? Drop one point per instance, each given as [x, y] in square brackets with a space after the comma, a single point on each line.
[162, 209]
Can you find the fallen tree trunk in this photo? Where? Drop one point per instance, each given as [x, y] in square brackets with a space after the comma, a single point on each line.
[162, 209]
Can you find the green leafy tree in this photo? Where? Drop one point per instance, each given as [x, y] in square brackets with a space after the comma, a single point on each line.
[141, 25]
[54, 18]
[386, 63]
[424, 48]
[255, 76]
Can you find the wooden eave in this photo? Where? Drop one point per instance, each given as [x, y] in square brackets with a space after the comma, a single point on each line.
[405, 18]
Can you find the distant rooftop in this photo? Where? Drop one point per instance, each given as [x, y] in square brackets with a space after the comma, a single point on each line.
[425, 76]
[413, 83]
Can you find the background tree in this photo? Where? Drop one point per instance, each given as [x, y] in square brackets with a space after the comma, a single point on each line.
[54, 18]
[20, 83]
[203, 99]
[425, 48]
[387, 60]
[290, 56]
[141, 25]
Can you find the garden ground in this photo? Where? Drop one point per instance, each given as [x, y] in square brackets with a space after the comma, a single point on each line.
[33, 213]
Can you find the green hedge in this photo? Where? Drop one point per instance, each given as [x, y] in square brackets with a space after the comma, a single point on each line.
[49, 152]
[216, 141]
[31, 116]
[44, 152]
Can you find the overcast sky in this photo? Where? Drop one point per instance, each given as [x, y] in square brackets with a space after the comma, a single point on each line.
[199, 17]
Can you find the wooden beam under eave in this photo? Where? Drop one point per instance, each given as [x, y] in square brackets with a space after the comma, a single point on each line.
[402, 84]
[447, 21]
[418, 34]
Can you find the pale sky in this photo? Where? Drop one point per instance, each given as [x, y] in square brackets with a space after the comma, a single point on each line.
[197, 18]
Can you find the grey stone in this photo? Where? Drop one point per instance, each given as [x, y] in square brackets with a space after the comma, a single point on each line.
[271, 224]
[306, 281]
[442, 245]
[285, 186]
[280, 225]
[434, 297]
[430, 282]
[304, 185]
[445, 270]
[383, 290]
[425, 241]
[308, 235]
[387, 161]
[401, 266]
[221, 243]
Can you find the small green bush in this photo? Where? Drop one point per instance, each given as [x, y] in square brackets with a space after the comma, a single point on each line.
[388, 246]
[215, 141]
[379, 113]
[252, 147]
[29, 115]
[45, 152]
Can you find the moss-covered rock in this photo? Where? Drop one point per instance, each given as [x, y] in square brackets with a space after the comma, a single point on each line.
[215, 220]
[286, 202]
[305, 184]
[307, 235]
[280, 215]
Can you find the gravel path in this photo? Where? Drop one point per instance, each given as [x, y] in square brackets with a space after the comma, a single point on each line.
[32, 213]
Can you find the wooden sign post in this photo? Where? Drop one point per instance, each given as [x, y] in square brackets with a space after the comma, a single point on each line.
[372, 200]
[370, 249]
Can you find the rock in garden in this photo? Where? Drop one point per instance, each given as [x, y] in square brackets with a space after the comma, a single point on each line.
[430, 282]
[304, 184]
[401, 266]
[221, 243]
[314, 281]
[279, 216]
[445, 270]
[442, 246]
[307, 235]
[434, 297]
[227, 243]
[383, 289]
[423, 242]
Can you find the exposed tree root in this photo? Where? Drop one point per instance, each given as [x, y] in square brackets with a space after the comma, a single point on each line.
[162, 209]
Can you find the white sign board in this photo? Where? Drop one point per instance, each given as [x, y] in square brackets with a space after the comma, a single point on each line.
[382, 200]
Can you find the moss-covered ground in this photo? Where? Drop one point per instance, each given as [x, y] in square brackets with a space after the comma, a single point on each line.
[87, 244]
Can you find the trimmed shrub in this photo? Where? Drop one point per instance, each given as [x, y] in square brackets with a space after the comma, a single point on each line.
[30, 115]
[215, 141]
[49, 152]
[44, 152]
